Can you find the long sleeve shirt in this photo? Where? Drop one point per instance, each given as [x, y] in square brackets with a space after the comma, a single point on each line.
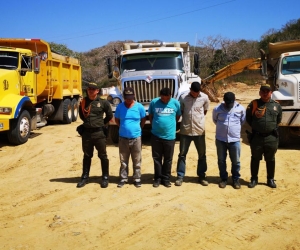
[229, 122]
[193, 114]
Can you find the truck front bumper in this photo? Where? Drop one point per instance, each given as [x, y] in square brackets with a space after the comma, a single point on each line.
[4, 125]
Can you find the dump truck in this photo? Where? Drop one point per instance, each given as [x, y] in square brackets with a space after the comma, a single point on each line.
[147, 68]
[37, 86]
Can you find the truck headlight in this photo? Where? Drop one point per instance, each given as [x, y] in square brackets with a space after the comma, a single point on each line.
[114, 101]
[5, 110]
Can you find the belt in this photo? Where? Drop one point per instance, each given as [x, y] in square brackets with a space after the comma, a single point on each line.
[92, 130]
[263, 134]
[127, 138]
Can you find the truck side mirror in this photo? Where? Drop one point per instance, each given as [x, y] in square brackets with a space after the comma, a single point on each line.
[264, 69]
[108, 64]
[36, 64]
[196, 64]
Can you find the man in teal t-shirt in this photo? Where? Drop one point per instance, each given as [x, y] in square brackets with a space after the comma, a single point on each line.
[164, 112]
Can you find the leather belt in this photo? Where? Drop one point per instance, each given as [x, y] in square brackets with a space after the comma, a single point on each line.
[262, 134]
[92, 130]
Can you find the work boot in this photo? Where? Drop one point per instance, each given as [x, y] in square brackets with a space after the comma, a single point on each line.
[82, 182]
[236, 184]
[222, 184]
[271, 183]
[85, 173]
[252, 183]
[179, 181]
[104, 181]
[270, 169]
[105, 173]
[203, 181]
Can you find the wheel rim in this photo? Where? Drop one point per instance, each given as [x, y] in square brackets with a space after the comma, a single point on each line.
[24, 127]
[70, 112]
[75, 110]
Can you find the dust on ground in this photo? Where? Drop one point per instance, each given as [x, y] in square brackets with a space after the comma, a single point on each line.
[41, 208]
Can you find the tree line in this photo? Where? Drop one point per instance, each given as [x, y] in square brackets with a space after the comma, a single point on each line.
[215, 52]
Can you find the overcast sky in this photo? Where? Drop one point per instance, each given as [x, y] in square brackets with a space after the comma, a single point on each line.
[85, 25]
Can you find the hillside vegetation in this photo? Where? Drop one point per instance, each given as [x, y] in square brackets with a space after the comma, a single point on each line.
[215, 52]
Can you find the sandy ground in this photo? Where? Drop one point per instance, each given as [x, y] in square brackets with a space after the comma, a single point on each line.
[41, 208]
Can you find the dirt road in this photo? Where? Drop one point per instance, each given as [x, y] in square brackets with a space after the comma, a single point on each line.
[41, 208]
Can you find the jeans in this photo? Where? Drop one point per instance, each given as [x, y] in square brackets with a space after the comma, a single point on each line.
[185, 142]
[133, 148]
[234, 149]
[162, 154]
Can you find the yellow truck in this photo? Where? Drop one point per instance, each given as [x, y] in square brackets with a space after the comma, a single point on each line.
[36, 86]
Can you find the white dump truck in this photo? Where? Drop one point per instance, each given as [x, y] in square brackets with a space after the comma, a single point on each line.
[281, 67]
[149, 67]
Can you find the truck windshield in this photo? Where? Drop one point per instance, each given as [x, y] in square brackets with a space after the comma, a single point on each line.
[290, 65]
[152, 61]
[9, 60]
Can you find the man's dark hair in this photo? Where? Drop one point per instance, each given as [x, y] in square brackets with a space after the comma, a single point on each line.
[165, 92]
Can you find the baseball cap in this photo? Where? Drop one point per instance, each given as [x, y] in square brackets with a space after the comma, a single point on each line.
[265, 86]
[229, 97]
[195, 86]
[128, 93]
[93, 85]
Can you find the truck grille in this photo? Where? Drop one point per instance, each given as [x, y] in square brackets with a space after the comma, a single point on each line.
[145, 92]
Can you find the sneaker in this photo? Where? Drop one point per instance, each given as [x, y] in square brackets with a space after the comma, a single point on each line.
[121, 184]
[236, 184]
[156, 183]
[167, 183]
[203, 181]
[137, 184]
[223, 184]
[179, 181]
[252, 183]
[271, 183]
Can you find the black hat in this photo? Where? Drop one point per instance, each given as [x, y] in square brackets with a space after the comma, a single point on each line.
[265, 86]
[229, 97]
[128, 93]
[93, 85]
[195, 86]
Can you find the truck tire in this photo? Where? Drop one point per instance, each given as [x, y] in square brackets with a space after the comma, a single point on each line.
[75, 111]
[67, 111]
[284, 136]
[20, 129]
[114, 133]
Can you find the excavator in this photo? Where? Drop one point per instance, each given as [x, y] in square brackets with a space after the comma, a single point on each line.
[207, 85]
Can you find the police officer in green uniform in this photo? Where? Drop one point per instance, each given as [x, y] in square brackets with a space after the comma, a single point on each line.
[263, 115]
[91, 112]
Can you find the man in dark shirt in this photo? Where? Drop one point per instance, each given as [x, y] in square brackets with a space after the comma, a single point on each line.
[263, 115]
[91, 112]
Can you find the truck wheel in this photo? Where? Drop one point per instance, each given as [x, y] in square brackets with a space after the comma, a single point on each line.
[75, 111]
[67, 111]
[20, 129]
[114, 133]
[284, 136]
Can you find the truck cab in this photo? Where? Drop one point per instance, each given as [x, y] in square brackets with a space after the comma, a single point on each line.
[149, 67]
[281, 67]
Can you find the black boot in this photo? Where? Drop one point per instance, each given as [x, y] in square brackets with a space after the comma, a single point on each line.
[271, 183]
[253, 183]
[85, 173]
[105, 173]
[254, 165]
[270, 174]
